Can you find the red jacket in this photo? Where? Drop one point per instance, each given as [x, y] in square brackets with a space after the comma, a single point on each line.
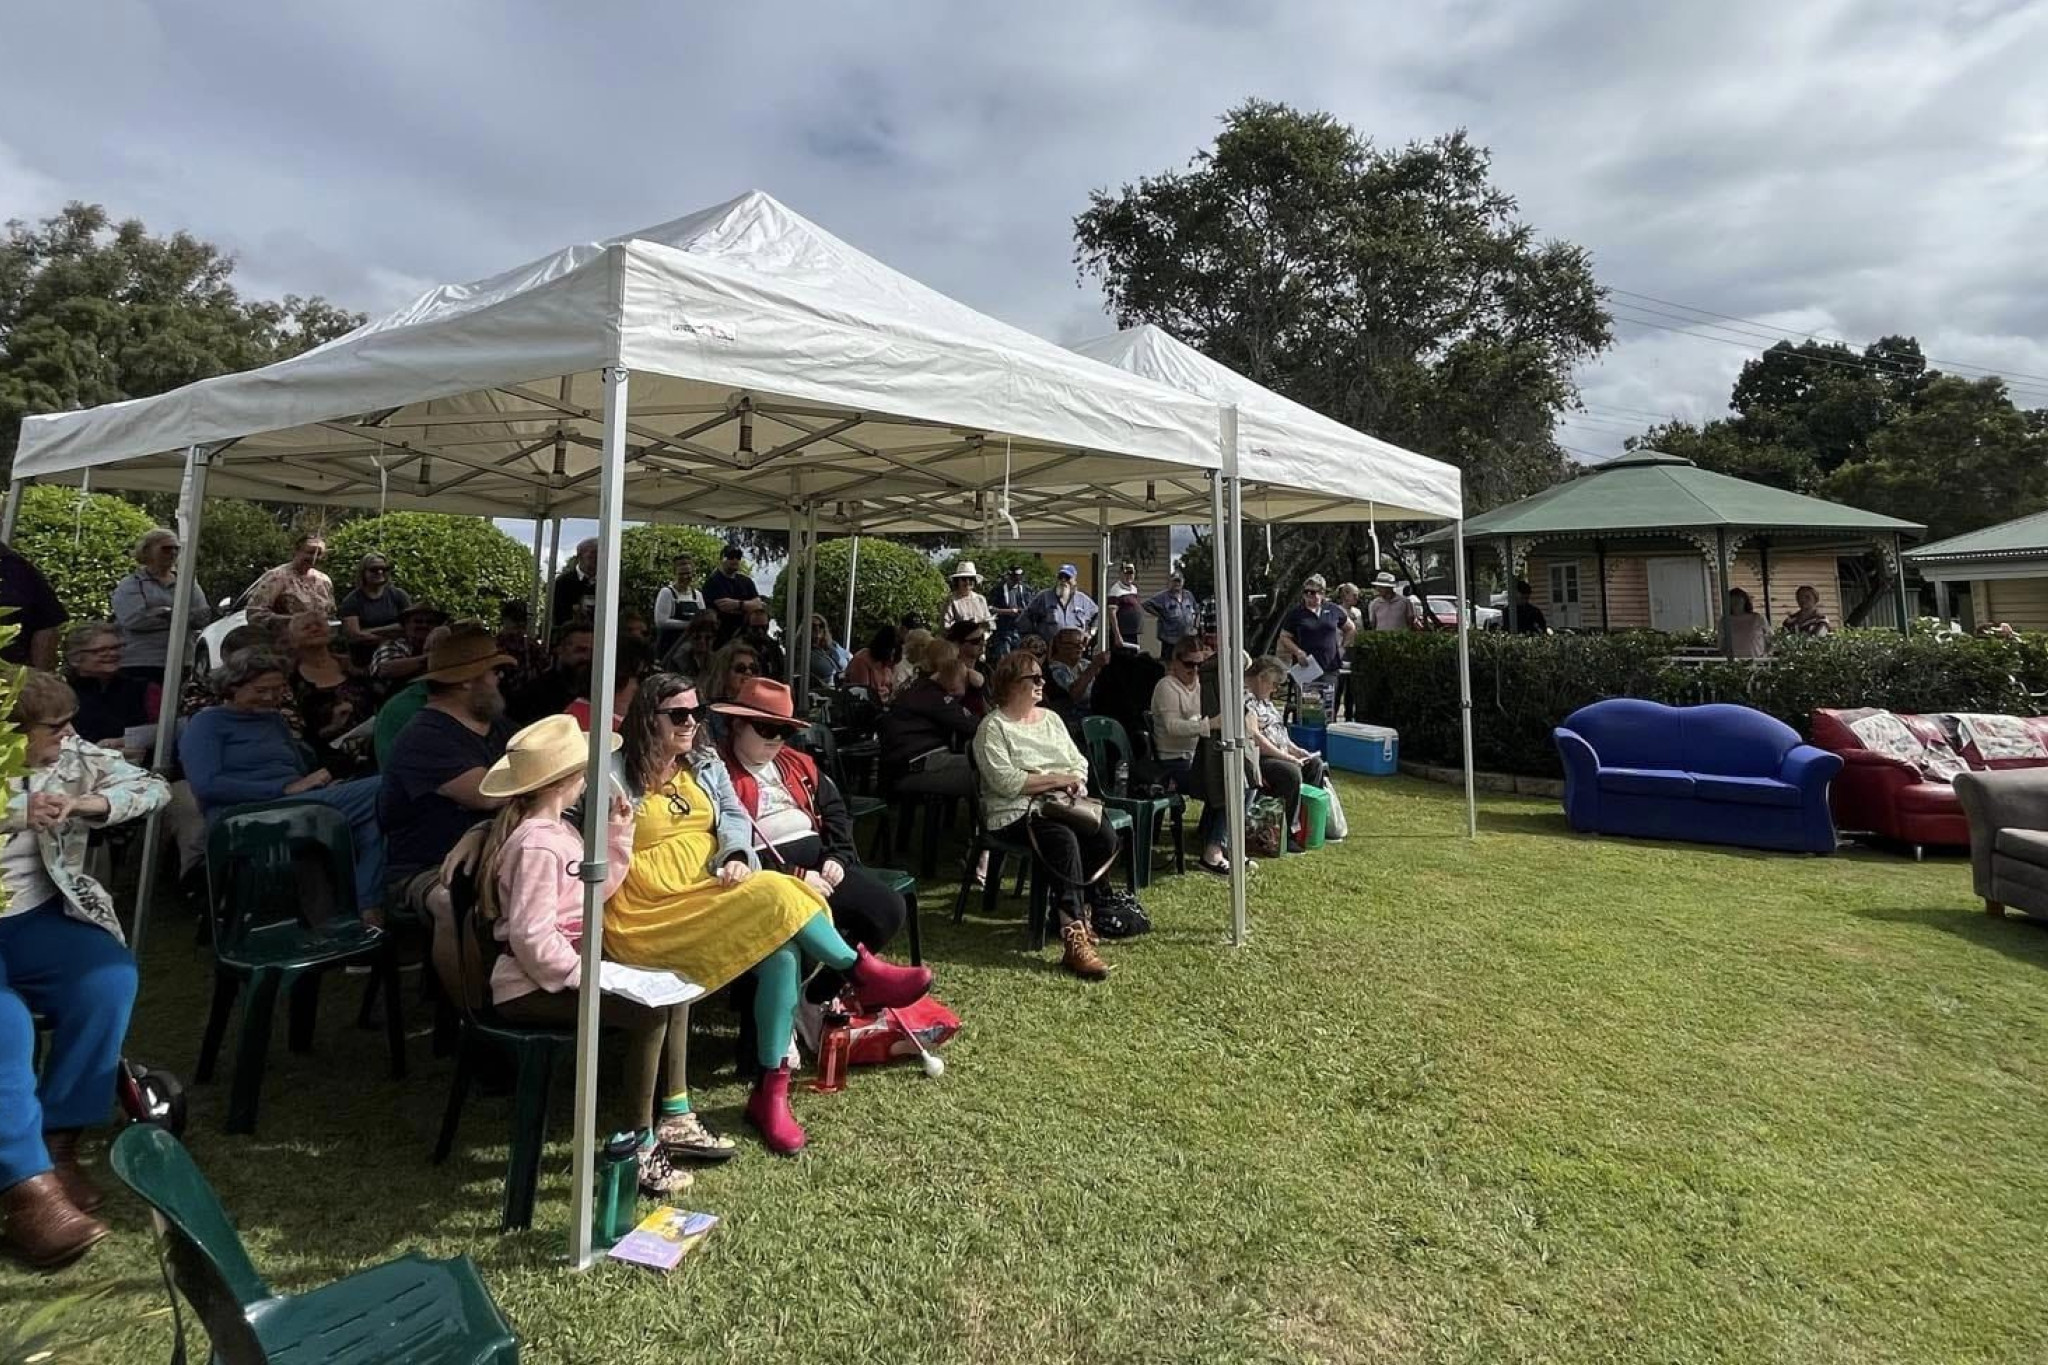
[799, 774]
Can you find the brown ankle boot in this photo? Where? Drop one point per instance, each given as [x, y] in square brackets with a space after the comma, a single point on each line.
[44, 1227]
[78, 1187]
[1080, 957]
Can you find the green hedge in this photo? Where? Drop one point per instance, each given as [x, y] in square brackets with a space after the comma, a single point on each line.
[647, 560]
[992, 563]
[463, 565]
[1524, 685]
[894, 579]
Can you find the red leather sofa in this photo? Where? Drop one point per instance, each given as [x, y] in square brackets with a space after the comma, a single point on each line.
[1892, 795]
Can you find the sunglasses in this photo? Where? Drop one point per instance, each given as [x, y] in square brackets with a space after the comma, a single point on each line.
[1035, 679]
[768, 729]
[745, 670]
[678, 804]
[680, 716]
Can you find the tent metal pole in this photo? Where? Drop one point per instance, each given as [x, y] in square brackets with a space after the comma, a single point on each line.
[597, 800]
[548, 624]
[191, 512]
[540, 526]
[1230, 677]
[10, 511]
[792, 595]
[1723, 587]
[1905, 612]
[852, 581]
[1465, 613]
[801, 654]
[1102, 578]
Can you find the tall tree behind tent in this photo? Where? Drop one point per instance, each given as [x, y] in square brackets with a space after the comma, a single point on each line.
[1396, 290]
[93, 311]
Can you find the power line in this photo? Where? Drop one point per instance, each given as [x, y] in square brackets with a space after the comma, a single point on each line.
[1824, 337]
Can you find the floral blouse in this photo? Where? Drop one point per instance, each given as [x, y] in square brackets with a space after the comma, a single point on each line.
[84, 769]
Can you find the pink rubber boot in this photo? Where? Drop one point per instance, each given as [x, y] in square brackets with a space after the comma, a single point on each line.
[884, 985]
[768, 1112]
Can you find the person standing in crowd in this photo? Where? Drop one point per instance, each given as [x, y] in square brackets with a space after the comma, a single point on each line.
[530, 893]
[1388, 610]
[966, 603]
[61, 956]
[695, 900]
[1809, 619]
[566, 677]
[874, 668]
[143, 604]
[1012, 600]
[572, 598]
[1347, 598]
[1744, 634]
[1063, 606]
[731, 592]
[31, 604]
[1177, 611]
[1527, 617]
[433, 788]
[1178, 725]
[828, 657]
[329, 698]
[1317, 631]
[1024, 751]
[1126, 608]
[243, 751]
[678, 601]
[401, 659]
[294, 586]
[372, 612]
[111, 702]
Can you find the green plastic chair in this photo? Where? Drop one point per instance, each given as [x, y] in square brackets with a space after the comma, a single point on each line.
[280, 883]
[535, 1053]
[904, 885]
[980, 840]
[414, 1309]
[821, 744]
[1108, 749]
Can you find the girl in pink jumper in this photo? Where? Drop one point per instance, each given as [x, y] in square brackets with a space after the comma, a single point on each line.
[529, 891]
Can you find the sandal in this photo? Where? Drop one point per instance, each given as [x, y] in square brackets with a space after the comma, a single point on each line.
[688, 1138]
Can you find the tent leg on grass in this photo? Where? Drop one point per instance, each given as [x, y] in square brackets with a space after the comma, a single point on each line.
[611, 502]
[1233, 704]
[1465, 678]
[191, 513]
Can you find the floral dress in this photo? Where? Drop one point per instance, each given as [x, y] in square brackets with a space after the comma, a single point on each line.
[84, 769]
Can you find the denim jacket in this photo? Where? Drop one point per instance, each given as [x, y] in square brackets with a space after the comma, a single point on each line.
[84, 769]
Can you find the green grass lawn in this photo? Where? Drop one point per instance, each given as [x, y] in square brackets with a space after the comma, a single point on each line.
[1538, 1098]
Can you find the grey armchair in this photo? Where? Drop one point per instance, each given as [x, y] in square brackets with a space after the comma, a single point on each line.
[2008, 814]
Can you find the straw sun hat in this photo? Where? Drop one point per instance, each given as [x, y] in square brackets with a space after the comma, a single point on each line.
[542, 754]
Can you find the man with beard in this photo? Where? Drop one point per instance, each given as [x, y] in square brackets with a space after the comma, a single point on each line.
[432, 790]
[1061, 607]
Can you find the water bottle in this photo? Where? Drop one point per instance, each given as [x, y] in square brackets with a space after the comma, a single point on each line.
[834, 1050]
[618, 1189]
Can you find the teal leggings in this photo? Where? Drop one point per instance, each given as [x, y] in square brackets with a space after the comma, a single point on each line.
[778, 977]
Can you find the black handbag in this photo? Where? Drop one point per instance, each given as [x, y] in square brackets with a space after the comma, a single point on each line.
[1205, 776]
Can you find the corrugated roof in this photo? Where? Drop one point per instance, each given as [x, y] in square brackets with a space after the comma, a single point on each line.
[2018, 538]
[1648, 490]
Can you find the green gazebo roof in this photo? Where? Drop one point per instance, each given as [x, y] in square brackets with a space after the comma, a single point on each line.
[1649, 491]
[2020, 538]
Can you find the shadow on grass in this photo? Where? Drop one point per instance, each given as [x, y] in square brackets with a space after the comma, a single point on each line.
[2017, 936]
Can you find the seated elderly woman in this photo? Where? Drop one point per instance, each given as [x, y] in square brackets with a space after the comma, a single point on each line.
[1284, 766]
[110, 702]
[329, 697]
[1023, 752]
[242, 751]
[61, 955]
[696, 901]
[801, 827]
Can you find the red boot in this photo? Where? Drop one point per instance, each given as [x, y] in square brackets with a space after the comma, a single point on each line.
[768, 1112]
[884, 985]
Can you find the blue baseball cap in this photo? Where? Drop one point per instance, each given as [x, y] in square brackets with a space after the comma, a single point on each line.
[1069, 571]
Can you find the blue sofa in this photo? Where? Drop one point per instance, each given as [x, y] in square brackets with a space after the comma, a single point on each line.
[1702, 774]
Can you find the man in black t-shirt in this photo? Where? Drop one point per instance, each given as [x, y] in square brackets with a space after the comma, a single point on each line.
[432, 790]
[730, 592]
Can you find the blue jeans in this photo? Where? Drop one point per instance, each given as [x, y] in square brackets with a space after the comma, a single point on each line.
[83, 980]
[358, 801]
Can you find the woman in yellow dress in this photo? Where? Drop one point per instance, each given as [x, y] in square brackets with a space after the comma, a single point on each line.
[697, 902]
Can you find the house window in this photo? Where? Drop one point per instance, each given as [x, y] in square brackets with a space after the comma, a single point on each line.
[1564, 585]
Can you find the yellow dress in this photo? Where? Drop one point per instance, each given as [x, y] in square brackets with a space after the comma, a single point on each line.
[672, 913]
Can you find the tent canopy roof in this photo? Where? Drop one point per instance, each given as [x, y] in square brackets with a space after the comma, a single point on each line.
[2021, 538]
[1284, 444]
[1649, 490]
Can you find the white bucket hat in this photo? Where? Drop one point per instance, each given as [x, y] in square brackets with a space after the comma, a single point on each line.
[965, 569]
[1383, 579]
[543, 753]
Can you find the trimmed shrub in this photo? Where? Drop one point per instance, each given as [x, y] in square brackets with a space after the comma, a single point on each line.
[992, 562]
[1524, 685]
[238, 540]
[84, 550]
[894, 579]
[647, 560]
[463, 565]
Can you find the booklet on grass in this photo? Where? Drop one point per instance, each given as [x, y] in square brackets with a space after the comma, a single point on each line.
[664, 1237]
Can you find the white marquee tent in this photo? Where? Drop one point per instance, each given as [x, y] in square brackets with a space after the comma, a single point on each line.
[737, 366]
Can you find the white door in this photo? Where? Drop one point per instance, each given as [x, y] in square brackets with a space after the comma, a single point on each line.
[1563, 609]
[1678, 594]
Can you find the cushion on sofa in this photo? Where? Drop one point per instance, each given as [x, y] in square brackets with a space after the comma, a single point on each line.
[2028, 845]
[1646, 782]
[1746, 791]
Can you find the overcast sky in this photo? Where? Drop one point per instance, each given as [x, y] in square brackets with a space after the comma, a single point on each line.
[1825, 166]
